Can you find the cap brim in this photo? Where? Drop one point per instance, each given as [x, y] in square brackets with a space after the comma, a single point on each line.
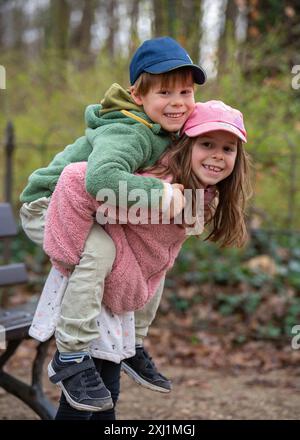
[166, 66]
[212, 126]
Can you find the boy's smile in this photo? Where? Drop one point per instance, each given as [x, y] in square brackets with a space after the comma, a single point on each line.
[213, 156]
[170, 107]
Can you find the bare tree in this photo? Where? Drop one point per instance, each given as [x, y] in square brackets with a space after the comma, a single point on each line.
[59, 26]
[159, 22]
[134, 16]
[19, 25]
[82, 35]
[180, 20]
[228, 35]
[188, 29]
[112, 24]
[1, 29]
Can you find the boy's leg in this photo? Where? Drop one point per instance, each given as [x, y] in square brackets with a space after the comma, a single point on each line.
[72, 367]
[33, 219]
[81, 304]
[141, 367]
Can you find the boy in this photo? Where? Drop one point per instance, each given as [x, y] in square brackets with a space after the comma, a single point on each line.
[127, 132]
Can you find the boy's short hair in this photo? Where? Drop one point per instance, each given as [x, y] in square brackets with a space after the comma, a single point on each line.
[161, 55]
[146, 81]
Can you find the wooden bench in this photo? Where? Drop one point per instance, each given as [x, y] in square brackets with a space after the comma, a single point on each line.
[14, 326]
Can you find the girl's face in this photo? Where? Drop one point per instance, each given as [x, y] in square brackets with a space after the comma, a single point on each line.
[213, 156]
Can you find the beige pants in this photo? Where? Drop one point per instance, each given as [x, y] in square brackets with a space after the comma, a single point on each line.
[83, 297]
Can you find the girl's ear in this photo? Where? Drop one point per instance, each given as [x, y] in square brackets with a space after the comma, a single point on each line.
[135, 96]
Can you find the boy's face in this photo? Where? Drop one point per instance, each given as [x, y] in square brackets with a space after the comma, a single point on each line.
[169, 106]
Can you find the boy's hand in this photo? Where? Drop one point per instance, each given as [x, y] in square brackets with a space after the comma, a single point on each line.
[178, 201]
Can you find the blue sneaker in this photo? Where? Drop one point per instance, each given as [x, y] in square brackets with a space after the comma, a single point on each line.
[76, 375]
[142, 370]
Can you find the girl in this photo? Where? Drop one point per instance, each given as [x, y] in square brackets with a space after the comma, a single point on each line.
[208, 155]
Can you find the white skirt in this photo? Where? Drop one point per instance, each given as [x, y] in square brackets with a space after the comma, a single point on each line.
[116, 332]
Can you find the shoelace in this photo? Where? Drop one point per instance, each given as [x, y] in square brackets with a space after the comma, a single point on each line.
[92, 378]
[149, 364]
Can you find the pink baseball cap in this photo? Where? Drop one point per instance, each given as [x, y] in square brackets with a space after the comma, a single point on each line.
[215, 115]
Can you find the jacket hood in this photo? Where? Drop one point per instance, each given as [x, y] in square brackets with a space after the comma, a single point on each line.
[115, 99]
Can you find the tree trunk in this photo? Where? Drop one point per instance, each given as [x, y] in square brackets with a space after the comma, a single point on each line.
[159, 23]
[189, 26]
[172, 6]
[82, 35]
[1, 30]
[228, 35]
[59, 27]
[134, 16]
[112, 20]
[19, 27]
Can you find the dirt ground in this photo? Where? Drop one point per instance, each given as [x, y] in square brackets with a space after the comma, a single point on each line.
[198, 393]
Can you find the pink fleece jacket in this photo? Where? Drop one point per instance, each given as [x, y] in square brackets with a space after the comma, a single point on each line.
[144, 253]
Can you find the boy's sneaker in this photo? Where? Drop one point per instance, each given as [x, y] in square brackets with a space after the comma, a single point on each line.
[76, 375]
[142, 369]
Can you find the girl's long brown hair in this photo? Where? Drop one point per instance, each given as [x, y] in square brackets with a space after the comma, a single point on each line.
[227, 218]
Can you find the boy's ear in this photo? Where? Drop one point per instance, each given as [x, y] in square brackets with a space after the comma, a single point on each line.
[135, 96]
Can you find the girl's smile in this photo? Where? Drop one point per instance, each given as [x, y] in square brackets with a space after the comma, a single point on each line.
[213, 156]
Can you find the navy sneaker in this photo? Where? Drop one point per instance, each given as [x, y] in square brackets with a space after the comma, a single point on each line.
[76, 375]
[142, 370]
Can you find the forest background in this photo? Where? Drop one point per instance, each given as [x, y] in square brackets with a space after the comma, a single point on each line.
[60, 55]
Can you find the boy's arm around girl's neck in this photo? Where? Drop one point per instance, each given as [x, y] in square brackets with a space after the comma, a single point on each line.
[118, 150]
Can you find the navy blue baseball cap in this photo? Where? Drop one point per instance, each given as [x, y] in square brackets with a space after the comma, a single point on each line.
[160, 55]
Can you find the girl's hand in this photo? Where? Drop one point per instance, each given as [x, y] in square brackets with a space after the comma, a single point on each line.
[209, 194]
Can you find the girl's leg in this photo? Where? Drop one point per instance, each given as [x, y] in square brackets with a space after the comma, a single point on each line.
[67, 412]
[110, 373]
[141, 367]
[145, 316]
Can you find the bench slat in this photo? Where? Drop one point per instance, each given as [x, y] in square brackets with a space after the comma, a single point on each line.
[14, 326]
[7, 222]
[13, 274]
[17, 320]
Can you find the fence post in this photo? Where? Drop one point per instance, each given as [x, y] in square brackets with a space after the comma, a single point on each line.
[9, 146]
[9, 149]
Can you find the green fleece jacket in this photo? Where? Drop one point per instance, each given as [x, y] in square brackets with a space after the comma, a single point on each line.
[115, 146]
